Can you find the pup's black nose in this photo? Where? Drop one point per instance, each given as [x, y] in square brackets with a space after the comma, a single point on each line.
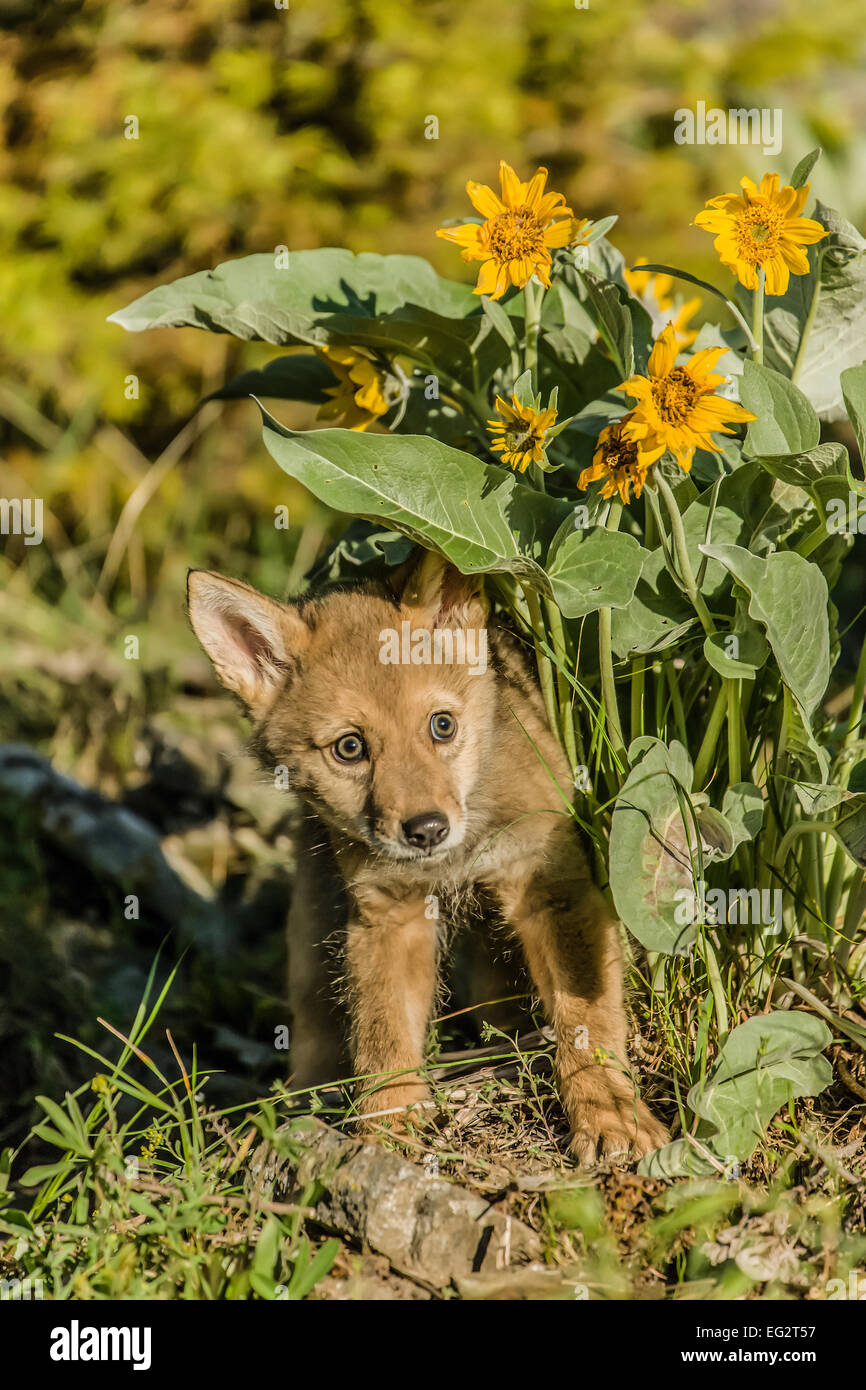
[425, 831]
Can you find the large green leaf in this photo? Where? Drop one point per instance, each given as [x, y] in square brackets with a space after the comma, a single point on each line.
[837, 330]
[397, 304]
[252, 298]
[804, 470]
[788, 596]
[593, 568]
[786, 422]
[853, 383]
[765, 1063]
[659, 615]
[480, 517]
[650, 860]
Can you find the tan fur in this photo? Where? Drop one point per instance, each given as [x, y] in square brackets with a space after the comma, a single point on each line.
[310, 673]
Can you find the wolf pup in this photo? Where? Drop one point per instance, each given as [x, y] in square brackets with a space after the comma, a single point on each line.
[427, 780]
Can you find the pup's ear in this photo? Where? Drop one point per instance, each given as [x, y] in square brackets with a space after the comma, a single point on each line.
[446, 597]
[252, 641]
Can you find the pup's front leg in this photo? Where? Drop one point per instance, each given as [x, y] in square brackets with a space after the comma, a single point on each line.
[573, 955]
[391, 950]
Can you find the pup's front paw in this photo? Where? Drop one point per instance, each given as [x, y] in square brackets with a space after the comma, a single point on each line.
[609, 1122]
[394, 1108]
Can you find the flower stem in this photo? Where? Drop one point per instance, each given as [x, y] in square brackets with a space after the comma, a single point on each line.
[532, 298]
[716, 988]
[758, 317]
[545, 668]
[734, 750]
[711, 737]
[605, 658]
[807, 327]
[638, 687]
[682, 551]
[559, 643]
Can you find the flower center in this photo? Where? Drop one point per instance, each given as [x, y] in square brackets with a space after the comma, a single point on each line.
[515, 234]
[518, 441]
[674, 395]
[621, 453]
[758, 231]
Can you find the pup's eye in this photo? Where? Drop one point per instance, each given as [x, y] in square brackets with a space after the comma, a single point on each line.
[443, 727]
[351, 748]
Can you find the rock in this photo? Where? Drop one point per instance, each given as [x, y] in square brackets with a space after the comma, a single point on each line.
[430, 1229]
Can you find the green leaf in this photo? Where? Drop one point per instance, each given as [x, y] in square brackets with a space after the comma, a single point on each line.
[853, 381]
[752, 653]
[788, 596]
[306, 1276]
[702, 285]
[851, 827]
[522, 389]
[362, 551]
[786, 422]
[593, 568]
[501, 321]
[834, 323]
[42, 1172]
[765, 1063]
[612, 317]
[657, 615]
[267, 1248]
[743, 809]
[804, 168]
[251, 298]
[397, 304]
[477, 515]
[650, 858]
[299, 377]
[804, 470]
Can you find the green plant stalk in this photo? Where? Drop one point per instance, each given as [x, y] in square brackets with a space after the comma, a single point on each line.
[638, 686]
[560, 646]
[853, 911]
[532, 299]
[733, 713]
[608, 684]
[836, 881]
[807, 326]
[676, 701]
[605, 658]
[717, 988]
[682, 553]
[758, 317]
[545, 667]
[815, 879]
[704, 760]
[792, 834]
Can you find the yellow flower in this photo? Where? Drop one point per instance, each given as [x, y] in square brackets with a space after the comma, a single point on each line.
[654, 291]
[762, 228]
[520, 229]
[521, 432]
[623, 463]
[677, 406]
[360, 397]
[152, 1140]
